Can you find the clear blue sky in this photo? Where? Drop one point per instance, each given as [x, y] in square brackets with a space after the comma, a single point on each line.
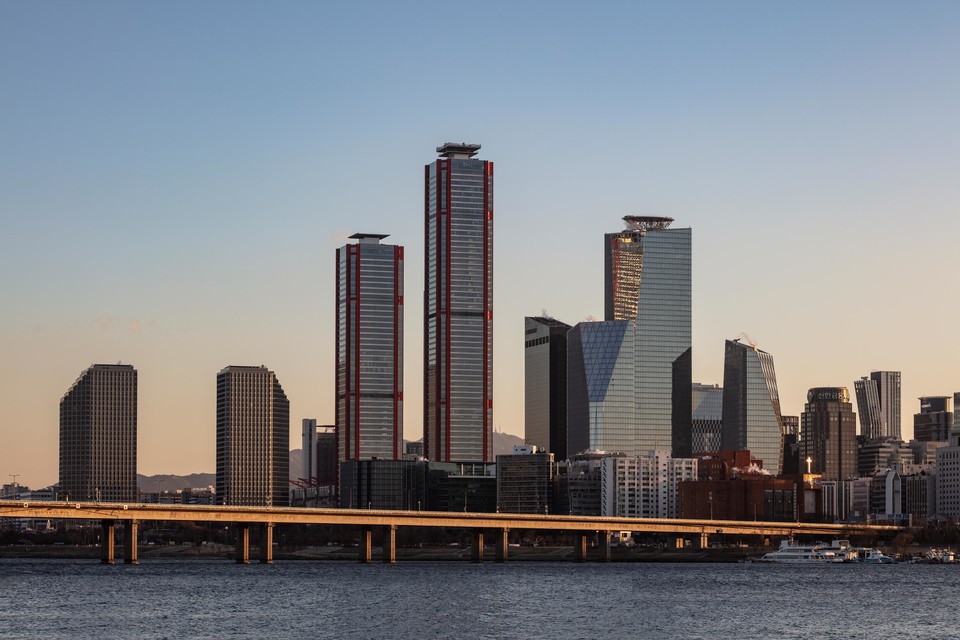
[175, 178]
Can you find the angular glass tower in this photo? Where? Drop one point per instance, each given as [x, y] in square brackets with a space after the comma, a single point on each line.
[253, 438]
[751, 405]
[601, 385]
[647, 278]
[458, 307]
[888, 388]
[98, 435]
[545, 384]
[369, 383]
[872, 420]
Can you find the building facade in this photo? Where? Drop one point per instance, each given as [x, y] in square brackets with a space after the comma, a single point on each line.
[98, 435]
[872, 419]
[948, 478]
[253, 438]
[647, 279]
[545, 384]
[707, 417]
[888, 390]
[644, 486]
[369, 384]
[828, 430]
[935, 420]
[751, 404]
[458, 306]
[525, 482]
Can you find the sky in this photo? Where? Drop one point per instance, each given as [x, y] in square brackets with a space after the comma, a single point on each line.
[176, 177]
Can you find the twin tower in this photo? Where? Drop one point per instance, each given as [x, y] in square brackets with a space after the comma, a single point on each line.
[457, 316]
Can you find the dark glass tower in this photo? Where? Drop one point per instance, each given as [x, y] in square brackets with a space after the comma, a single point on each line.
[369, 349]
[98, 435]
[545, 384]
[458, 307]
[829, 433]
[253, 438]
[751, 404]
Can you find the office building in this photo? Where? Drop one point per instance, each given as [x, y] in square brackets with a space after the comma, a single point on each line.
[369, 380]
[828, 433]
[935, 420]
[644, 486]
[888, 391]
[880, 454]
[601, 388]
[253, 438]
[308, 449]
[751, 404]
[545, 384]
[948, 478]
[872, 419]
[98, 435]
[525, 481]
[382, 484]
[458, 307]
[647, 279]
[707, 417]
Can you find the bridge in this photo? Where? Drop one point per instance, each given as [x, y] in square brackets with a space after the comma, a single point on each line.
[266, 518]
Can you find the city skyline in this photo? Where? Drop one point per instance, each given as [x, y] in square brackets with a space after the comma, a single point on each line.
[162, 169]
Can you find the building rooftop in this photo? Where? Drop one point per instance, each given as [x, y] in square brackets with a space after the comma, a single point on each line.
[458, 150]
[647, 223]
[369, 236]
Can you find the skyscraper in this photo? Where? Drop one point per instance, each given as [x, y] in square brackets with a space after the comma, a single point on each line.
[707, 418]
[253, 438]
[98, 435]
[308, 440]
[888, 389]
[829, 433]
[369, 349]
[458, 307]
[601, 388]
[545, 384]
[872, 419]
[935, 420]
[751, 404]
[647, 278]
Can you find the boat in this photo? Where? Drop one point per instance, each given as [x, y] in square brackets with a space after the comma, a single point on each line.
[874, 556]
[819, 553]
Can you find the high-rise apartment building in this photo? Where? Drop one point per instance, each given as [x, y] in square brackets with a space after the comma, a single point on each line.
[645, 486]
[707, 418]
[888, 389]
[369, 384]
[253, 438]
[545, 384]
[647, 279]
[98, 435]
[829, 433]
[751, 404]
[458, 307]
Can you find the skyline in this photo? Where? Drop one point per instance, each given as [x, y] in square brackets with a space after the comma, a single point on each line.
[175, 181]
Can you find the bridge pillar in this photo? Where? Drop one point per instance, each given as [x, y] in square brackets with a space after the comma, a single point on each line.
[106, 541]
[701, 540]
[131, 531]
[476, 551]
[266, 543]
[604, 546]
[390, 544]
[243, 544]
[365, 550]
[580, 546]
[502, 544]
[679, 542]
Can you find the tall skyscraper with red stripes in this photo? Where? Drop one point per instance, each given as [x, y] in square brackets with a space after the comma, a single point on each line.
[369, 349]
[458, 307]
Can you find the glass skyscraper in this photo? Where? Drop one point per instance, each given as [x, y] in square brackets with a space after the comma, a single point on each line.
[369, 349]
[888, 388]
[647, 278]
[751, 404]
[458, 307]
[545, 384]
[98, 435]
[829, 433]
[707, 418]
[253, 438]
[872, 420]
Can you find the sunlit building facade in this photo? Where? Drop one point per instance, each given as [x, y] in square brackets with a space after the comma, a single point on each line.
[828, 433]
[751, 404]
[253, 438]
[872, 423]
[98, 435]
[369, 383]
[458, 307]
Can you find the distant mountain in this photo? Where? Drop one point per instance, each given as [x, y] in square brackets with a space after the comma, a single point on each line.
[503, 443]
